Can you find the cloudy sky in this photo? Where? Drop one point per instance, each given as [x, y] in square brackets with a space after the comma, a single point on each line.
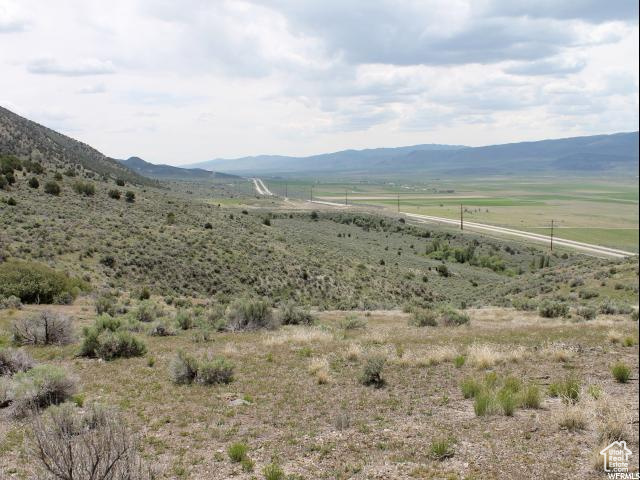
[185, 81]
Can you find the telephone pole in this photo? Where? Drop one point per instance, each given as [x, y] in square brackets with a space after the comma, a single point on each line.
[398, 203]
[552, 235]
[461, 219]
[346, 197]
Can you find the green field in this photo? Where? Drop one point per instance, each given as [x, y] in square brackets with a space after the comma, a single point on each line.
[603, 212]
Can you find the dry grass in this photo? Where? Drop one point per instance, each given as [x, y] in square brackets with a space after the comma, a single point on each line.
[354, 352]
[296, 334]
[614, 336]
[319, 369]
[297, 378]
[573, 417]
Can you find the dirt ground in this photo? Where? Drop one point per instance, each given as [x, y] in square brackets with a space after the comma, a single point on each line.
[306, 410]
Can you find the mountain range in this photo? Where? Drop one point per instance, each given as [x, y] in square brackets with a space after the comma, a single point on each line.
[168, 172]
[615, 154]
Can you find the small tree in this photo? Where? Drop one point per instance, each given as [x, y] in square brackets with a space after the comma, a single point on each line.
[34, 183]
[52, 188]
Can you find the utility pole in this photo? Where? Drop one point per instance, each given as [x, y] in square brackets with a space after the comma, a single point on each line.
[552, 235]
[398, 203]
[346, 197]
[461, 218]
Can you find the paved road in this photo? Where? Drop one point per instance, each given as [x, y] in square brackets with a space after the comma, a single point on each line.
[585, 247]
[261, 188]
[481, 227]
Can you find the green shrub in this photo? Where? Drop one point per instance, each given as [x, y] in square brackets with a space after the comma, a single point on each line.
[608, 307]
[11, 302]
[470, 388]
[588, 313]
[422, 317]
[508, 401]
[130, 196]
[291, 314]
[119, 344]
[114, 193]
[184, 320]
[588, 294]
[352, 322]
[372, 371]
[621, 372]
[567, 389]
[186, 369]
[183, 368]
[105, 304]
[39, 387]
[451, 317]
[273, 472]
[34, 183]
[161, 329]
[106, 339]
[84, 188]
[441, 449]
[237, 452]
[524, 304]
[459, 361]
[52, 188]
[35, 283]
[552, 309]
[249, 314]
[146, 311]
[214, 371]
[484, 403]
[530, 396]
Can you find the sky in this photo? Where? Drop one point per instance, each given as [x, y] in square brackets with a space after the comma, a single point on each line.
[180, 82]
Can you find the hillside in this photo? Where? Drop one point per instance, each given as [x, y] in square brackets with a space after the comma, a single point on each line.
[29, 140]
[216, 333]
[615, 154]
[167, 172]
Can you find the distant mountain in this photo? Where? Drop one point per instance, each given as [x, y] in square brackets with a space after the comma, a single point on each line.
[607, 154]
[336, 161]
[167, 172]
[29, 140]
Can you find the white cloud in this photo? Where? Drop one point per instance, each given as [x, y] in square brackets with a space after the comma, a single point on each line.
[77, 68]
[184, 81]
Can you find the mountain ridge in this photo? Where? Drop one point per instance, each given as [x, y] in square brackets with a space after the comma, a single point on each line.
[27, 139]
[167, 172]
[617, 152]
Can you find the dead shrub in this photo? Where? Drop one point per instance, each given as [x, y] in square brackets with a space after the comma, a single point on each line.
[95, 444]
[46, 328]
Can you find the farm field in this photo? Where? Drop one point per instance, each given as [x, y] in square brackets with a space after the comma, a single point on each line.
[599, 212]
